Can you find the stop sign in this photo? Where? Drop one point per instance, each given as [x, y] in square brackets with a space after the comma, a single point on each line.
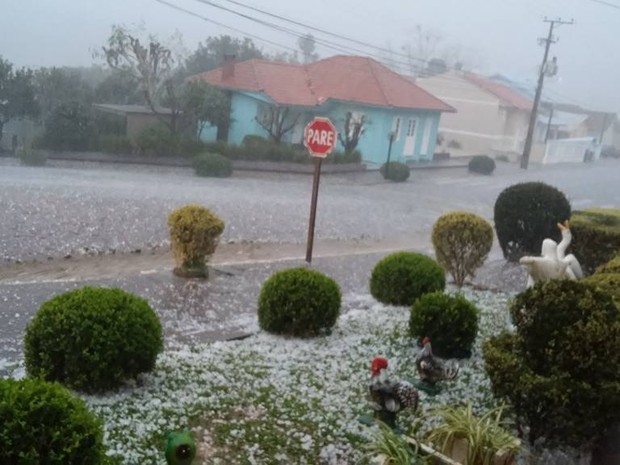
[320, 137]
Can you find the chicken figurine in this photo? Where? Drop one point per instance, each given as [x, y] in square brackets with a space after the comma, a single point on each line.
[432, 370]
[388, 398]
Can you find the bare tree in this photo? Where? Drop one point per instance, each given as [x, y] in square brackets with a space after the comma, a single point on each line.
[307, 45]
[278, 121]
[151, 65]
[354, 127]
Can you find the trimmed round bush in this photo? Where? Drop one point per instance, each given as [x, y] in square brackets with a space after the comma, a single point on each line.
[42, 423]
[560, 370]
[212, 165]
[194, 234]
[525, 215]
[403, 277]
[396, 171]
[93, 339]
[612, 266]
[462, 243]
[481, 164]
[299, 302]
[596, 236]
[451, 323]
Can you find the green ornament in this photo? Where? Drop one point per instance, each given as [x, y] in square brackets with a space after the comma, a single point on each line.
[180, 448]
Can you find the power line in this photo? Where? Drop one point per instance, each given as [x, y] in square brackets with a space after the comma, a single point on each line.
[603, 2]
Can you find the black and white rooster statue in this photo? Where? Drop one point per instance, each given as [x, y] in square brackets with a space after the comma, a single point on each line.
[433, 370]
[387, 397]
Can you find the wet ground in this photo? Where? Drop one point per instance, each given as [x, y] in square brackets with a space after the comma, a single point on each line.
[96, 216]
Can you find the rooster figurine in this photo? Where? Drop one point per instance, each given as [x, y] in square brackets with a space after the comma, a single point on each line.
[432, 370]
[388, 398]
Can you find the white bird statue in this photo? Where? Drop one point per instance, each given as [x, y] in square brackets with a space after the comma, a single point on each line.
[553, 262]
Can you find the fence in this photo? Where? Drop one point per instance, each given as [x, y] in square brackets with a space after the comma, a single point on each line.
[572, 150]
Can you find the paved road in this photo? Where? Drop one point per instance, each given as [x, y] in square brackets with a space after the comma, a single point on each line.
[60, 209]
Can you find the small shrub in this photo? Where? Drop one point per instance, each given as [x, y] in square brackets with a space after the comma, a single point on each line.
[396, 171]
[451, 323]
[462, 243]
[299, 302]
[596, 236]
[212, 164]
[560, 369]
[606, 282]
[116, 144]
[92, 339]
[42, 423]
[157, 140]
[32, 157]
[612, 266]
[191, 146]
[338, 157]
[525, 215]
[481, 164]
[194, 235]
[403, 277]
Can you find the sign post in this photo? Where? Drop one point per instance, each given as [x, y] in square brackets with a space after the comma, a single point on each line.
[320, 138]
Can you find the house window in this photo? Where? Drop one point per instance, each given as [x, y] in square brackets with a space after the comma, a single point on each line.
[396, 127]
[411, 127]
[264, 115]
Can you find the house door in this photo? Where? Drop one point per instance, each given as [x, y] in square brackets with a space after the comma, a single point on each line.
[410, 138]
[426, 139]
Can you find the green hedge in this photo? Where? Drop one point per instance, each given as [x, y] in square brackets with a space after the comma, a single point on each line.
[396, 171]
[596, 237]
[481, 164]
[212, 165]
[42, 423]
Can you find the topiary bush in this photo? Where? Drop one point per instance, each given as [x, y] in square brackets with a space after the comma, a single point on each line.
[451, 323]
[212, 164]
[525, 215]
[42, 423]
[462, 243]
[596, 236]
[93, 339]
[612, 266]
[606, 282]
[560, 369]
[403, 277]
[299, 302]
[482, 164]
[395, 171]
[31, 157]
[194, 234]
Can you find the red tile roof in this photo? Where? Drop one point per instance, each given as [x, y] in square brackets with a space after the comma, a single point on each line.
[345, 78]
[507, 95]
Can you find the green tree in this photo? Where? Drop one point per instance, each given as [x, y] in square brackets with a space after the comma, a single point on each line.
[120, 88]
[307, 45]
[210, 54]
[17, 94]
[60, 86]
[205, 104]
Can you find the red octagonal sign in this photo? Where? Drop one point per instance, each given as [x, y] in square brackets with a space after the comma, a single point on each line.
[320, 137]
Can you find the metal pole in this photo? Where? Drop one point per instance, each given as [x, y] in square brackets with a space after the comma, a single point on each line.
[313, 203]
[387, 165]
[549, 124]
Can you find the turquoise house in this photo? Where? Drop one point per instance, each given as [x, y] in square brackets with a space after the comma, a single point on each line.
[382, 101]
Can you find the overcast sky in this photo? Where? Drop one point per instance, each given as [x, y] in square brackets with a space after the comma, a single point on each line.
[499, 36]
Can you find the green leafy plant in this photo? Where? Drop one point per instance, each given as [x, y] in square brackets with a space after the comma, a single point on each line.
[606, 282]
[482, 164]
[42, 423]
[32, 157]
[395, 171]
[213, 165]
[116, 144]
[462, 242]
[157, 140]
[560, 370]
[612, 266]
[299, 302]
[484, 438]
[451, 323]
[596, 236]
[401, 278]
[525, 215]
[93, 339]
[390, 448]
[194, 235]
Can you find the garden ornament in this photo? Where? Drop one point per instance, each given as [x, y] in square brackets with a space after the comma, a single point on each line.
[432, 370]
[553, 262]
[180, 448]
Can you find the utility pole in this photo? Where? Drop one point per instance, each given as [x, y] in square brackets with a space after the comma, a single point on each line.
[527, 148]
